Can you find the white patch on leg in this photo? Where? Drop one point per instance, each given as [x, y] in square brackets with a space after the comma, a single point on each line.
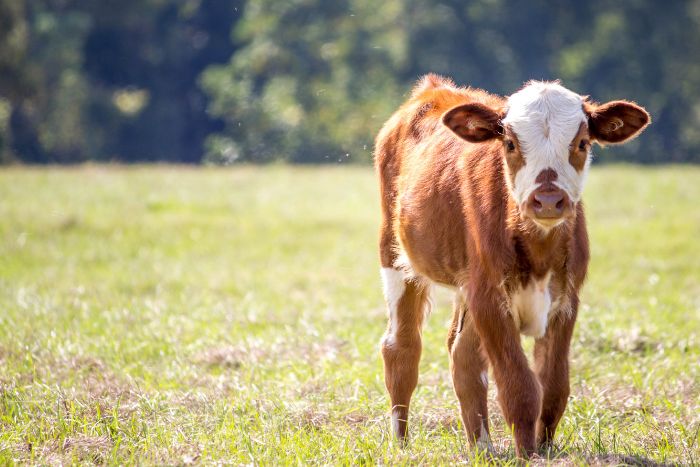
[395, 424]
[394, 285]
[403, 264]
[530, 306]
[484, 441]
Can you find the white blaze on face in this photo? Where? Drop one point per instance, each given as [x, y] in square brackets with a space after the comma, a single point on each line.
[546, 117]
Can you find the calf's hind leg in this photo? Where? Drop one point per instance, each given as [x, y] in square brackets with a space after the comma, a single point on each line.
[469, 369]
[401, 344]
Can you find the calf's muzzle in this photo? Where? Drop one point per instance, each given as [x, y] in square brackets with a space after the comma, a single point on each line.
[549, 204]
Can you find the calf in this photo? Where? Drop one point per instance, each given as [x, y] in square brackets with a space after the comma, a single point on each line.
[483, 194]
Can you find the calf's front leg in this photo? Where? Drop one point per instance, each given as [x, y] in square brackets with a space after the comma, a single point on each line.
[519, 391]
[552, 367]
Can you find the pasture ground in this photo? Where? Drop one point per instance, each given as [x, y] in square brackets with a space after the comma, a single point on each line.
[174, 315]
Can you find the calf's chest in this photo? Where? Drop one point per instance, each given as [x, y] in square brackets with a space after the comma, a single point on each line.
[531, 305]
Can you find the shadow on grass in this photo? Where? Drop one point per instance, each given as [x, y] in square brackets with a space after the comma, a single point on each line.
[554, 456]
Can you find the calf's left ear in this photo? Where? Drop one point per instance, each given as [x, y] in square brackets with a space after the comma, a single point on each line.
[615, 122]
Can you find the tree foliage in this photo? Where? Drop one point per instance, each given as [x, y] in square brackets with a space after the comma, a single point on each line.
[111, 80]
[312, 81]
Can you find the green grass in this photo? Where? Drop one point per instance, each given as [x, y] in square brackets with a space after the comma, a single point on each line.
[177, 315]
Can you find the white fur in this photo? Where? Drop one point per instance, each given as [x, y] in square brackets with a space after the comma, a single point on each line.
[546, 117]
[484, 441]
[395, 423]
[403, 264]
[485, 378]
[393, 283]
[530, 306]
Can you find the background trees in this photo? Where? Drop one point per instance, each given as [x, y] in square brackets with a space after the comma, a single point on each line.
[312, 81]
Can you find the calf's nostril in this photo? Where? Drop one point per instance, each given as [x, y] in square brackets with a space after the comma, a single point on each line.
[560, 204]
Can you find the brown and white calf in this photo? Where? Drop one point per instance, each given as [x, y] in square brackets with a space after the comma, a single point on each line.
[483, 194]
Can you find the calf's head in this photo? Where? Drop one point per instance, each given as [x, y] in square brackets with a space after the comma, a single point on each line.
[546, 132]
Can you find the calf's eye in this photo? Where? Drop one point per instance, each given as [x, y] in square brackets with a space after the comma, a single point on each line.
[583, 145]
[510, 146]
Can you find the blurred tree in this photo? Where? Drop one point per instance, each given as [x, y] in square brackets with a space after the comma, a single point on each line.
[312, 81]
[113, 80]
[52, 120]
[13, 79]
[143, 59]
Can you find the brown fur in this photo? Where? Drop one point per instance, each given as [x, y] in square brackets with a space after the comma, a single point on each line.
[514, 159]
[445, 202]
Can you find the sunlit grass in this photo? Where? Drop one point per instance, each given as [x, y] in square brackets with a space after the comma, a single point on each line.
[176, 315]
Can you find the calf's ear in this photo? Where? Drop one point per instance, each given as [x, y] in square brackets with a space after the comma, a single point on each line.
[615, 122]
[473, 122]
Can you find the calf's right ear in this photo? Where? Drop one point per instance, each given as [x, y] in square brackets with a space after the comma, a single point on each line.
[473, 122]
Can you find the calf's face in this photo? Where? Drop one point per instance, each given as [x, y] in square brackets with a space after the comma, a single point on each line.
[546, 132]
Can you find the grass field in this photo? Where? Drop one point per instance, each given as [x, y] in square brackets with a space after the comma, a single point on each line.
[180, 315]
